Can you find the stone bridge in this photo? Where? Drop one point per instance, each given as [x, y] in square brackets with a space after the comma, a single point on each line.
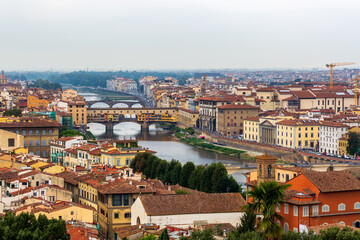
[110, 104]
[112, 116]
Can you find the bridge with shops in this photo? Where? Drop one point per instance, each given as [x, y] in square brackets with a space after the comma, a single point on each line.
[143, 116]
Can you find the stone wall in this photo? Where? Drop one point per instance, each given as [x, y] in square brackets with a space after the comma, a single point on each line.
[278, 152]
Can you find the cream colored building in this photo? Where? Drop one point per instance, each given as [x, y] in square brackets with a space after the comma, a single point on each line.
[10, 140]
[251, 129]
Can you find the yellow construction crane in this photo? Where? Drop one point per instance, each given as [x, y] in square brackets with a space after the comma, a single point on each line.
[331, 66]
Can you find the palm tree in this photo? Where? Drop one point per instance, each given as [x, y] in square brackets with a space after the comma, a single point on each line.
[266, 196]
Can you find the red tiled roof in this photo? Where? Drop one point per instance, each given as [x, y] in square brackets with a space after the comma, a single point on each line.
[256, 119]
[191, 204]
[238, 106]
[299, 122]
[333, 181]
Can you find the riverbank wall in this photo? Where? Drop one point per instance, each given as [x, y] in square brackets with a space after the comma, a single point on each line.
[284, 154]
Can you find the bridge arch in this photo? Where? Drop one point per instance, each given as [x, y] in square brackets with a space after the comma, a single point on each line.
[120, 105]
[100, 105]
[137, 105]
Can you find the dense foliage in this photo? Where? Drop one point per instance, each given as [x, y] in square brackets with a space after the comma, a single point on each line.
[164, 235]
[206, 234]
[211, 179]
[247, 224]
[98, 79]
[45, 84]
[266, 196]
[13, 112]
[353, 143]
[71, 133]
[26, 226]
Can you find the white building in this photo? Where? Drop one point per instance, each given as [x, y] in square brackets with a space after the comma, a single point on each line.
[329, 134]
[58, 146]
[188, 209]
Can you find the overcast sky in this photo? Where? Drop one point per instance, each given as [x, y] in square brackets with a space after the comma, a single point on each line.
[177, 34]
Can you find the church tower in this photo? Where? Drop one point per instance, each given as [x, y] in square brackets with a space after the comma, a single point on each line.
[203, 85]
[3, 80]
[266, 168]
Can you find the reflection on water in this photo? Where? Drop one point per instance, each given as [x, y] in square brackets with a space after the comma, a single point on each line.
[90, 96]
[137, 105]
[100, 105]
[120, 105]
[166, 146]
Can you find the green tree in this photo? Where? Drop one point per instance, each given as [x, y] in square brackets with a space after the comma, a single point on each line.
[71, 133]
[181, 191]
[161, 168]
[149, 237]
[195, 177]
[175, 173]
[12, 112]
[186, 171]
[26, 226]
[247, 236]
[206, 234]
[266, 196]
[206, 183]
[164, 235]
[353, 143]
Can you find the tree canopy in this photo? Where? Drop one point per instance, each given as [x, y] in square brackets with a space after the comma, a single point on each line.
[266, 196]
[13, 112]
[26, 226]
[353, 143]
[210, 179]
[46, 84]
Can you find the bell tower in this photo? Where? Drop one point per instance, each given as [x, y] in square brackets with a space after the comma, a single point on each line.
[266, 168]
[3, 80]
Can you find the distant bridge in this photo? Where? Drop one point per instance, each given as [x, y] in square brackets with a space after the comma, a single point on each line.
[110, 104]
[144, 116]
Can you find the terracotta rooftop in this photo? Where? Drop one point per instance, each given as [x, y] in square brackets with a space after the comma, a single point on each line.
[266, 157]
[69, 176]
[124, 232]
[192, 204]
[299, 122]
[125, 186]
[36, 123]
[238, 106]
[333, 181]
[256, 119]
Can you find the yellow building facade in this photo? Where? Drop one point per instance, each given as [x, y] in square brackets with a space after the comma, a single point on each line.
[298, 134]
[66, 211]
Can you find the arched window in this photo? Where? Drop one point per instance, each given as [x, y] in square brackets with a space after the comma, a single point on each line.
[325, 208]
[286, 227]
[357, 205]
[357, 224]
[342, 223]
[43, 154]
[269, 171]
[341, 207]
[325, 224]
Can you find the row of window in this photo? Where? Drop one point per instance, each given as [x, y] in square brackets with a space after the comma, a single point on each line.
[30, 132]
[37, 143]
[43, 153]
[315, 209]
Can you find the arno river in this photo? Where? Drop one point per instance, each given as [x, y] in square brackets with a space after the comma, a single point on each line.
[161, 141]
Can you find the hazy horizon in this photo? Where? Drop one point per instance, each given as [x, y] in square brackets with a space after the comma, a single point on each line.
[67, 35]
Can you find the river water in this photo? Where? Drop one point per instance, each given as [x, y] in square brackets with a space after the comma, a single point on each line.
[165, 145]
